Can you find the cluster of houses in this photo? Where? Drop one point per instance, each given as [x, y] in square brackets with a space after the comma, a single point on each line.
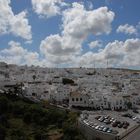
[108, 102]
[92, 88]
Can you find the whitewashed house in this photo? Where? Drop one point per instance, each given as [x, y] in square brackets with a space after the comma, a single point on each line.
[61, 93]
[78, 100]
[116, 103]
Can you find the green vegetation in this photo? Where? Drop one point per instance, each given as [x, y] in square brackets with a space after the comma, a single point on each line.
[129, 105]
[91, 73]
[21, 119]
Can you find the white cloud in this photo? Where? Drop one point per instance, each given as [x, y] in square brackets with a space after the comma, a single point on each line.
[20, 26]
[95, 44]
[79, 22]
[17, 25]
[48, 8]
[68, 44]
[127, 29]
[16, 54]
[117, 53]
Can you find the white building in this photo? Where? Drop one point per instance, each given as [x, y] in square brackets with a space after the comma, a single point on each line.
[78, 100]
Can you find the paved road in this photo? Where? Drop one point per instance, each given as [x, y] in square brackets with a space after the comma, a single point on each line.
[135, 135]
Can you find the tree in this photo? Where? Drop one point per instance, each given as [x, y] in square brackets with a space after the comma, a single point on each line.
[34, 77]
[27, 117]
[3, 104]
[2, 133]
[67, 81]
[129, 105]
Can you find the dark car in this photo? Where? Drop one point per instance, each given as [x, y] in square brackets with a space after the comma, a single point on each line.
[125, 126]
[120, 125]
[126, 123]
[97, 117]
[135, 111]
[114, 124]
[108, 122]
[127, 115]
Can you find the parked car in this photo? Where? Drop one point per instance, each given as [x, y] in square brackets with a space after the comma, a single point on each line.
[127, 115]
[94, 125]
[125, 126]
[97, 127]
[97, 117]
[86, 122]
[107, 121]
[109, 130]
[126, 123]
[90, 124]
[114, 124]
[101, 119]
[106, 117]
[135, 111]
[100, 128]
[105, 129]
[120, 125]
[112, 119]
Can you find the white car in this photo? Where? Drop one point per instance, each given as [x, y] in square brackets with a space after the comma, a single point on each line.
[97, 127]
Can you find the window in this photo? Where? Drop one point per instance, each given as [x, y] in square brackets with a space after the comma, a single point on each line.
[80, 99]
[85, 102]
[76, 99]
[72, 99]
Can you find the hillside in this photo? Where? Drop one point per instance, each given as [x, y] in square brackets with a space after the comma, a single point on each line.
[21, 119]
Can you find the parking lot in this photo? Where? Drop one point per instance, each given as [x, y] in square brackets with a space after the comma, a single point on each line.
[110, 122]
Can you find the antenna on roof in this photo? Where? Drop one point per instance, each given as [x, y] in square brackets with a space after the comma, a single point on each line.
[94, 65]
[107, 63]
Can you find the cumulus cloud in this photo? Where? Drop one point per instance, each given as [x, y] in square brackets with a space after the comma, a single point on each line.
[16, 54]
[127, 29]
[95, 44]
[117, 53]
[68, 44]
[48, 8]
[17, 25]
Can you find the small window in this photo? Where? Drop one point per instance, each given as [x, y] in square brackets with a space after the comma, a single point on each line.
[76, 99]
[85, 102]
[80, 99]
[72, 99]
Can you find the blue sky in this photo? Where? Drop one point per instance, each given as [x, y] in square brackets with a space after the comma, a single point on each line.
[56, 33]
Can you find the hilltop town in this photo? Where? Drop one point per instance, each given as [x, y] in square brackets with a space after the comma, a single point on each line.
[95, 88]
[108, 98]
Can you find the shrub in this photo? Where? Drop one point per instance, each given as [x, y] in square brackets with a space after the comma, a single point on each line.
[67, 81]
